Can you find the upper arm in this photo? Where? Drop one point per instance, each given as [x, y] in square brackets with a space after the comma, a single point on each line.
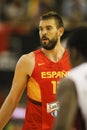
[23, 70]
[67, 98]
[22, 73]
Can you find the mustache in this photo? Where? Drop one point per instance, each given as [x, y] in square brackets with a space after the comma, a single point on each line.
[45, 37]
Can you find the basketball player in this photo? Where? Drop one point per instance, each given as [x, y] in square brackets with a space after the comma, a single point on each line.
[72, 91]
[39, 71]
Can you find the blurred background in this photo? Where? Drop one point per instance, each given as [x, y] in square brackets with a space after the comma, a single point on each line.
[19, 35]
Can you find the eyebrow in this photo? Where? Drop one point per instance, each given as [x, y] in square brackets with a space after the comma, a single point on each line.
[45, 26]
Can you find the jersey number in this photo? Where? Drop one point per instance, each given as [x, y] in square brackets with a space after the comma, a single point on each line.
[54, 83]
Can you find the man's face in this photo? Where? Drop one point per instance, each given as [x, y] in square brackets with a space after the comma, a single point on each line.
[48, 33]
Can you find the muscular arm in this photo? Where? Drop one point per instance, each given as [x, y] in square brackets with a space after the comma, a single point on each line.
[23, 70]
[67, 97]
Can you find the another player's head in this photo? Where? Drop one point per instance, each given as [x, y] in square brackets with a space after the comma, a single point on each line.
[51, 28]
[77, 46]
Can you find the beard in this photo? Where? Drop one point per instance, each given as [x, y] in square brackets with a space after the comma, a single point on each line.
[50, 45]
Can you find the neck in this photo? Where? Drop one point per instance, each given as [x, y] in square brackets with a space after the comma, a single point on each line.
[55, 54]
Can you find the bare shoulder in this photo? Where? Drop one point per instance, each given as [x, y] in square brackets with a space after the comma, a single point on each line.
[26, 62]
[27, 57]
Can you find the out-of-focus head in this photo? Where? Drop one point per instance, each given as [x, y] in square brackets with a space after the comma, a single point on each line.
[77, 46]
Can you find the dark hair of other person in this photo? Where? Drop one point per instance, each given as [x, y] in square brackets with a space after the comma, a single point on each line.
[78, 40]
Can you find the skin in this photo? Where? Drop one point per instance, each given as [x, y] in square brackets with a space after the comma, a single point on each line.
[67, 96]
[48, 28]
[25, 66]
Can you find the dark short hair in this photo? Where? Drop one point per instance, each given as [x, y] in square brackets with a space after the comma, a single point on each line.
[78, 40]
[55, 15]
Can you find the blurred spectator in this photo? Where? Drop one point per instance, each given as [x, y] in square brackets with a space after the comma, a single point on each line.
[2, 9]
[58, 5]
[4, 28]
[74, 11]
[4, 36]
[15, 10]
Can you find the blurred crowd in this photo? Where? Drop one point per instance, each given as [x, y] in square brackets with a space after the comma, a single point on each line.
[19, 20]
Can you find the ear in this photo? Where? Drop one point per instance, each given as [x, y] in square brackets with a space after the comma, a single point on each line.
[60, 31]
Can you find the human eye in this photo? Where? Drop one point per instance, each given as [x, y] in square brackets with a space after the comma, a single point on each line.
[49, 28]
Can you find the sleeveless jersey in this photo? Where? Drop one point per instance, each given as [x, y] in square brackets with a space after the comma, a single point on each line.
[41, 91]
[79, 76]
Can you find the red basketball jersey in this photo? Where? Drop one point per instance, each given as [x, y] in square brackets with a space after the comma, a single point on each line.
[41, 91]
